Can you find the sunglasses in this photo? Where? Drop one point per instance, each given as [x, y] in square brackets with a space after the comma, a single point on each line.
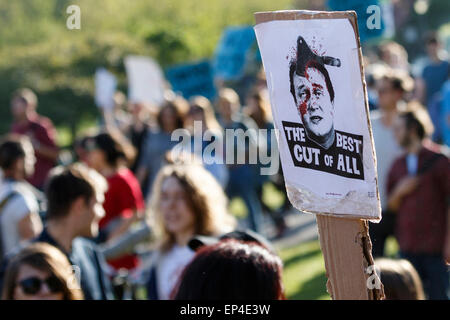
[33, 285]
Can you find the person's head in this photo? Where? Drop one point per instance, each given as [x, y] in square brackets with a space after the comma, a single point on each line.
[412, 126]
[400, 279]
[200, 109]
[171, 115]
[394, 55]
[106, 150]
[234, 270]
[75, 194]
[17, 157]
[314, 98]
[258, 107]
[228, 103]
[433, 45]
[187, 200]
[40, 271]
[391, 88]
[23, 101]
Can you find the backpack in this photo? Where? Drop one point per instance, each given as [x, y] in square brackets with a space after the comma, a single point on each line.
[3, 204]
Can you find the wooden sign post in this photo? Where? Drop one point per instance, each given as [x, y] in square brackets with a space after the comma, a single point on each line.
[315, 78]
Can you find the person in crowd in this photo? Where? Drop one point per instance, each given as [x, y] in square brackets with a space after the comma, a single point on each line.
[158, 141]
[19, 208]
[242, 176]
[434, 75]
[391, 90]
[138, 129]
[394, 56]
[124, 203]
[445, 120]
[201, 113]
[258, 108]
[232, 270]
[186, 201]
[40, 271]
[418, 191]
[39, 129]
[73, 215]
[400, 279]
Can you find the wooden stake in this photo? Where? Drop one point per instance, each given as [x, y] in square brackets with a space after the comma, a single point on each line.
[346, 248]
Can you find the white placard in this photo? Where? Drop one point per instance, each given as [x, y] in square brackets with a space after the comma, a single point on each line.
[146, 82]
[105, 87]
[318, 104]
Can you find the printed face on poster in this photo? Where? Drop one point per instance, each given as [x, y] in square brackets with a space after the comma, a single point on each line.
[318, 103]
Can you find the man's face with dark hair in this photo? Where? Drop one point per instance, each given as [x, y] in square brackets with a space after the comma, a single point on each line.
[401, 132]
[314, 103]
[93, 212]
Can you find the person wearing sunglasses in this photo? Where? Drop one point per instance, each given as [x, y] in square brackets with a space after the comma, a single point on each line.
[41, 271]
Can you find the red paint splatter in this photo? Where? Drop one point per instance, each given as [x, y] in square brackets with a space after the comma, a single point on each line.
[302, 107]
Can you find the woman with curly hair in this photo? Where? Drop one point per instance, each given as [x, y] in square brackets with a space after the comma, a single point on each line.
[186, 201]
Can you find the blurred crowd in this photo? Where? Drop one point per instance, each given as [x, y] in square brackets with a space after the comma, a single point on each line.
[123, 216]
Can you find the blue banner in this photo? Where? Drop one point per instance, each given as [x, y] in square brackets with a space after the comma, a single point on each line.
[371, 23]
[192, 79]
[231, 53]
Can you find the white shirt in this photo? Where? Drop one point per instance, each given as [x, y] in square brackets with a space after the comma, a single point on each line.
[18, 207]
[387, 150]
[170, 268]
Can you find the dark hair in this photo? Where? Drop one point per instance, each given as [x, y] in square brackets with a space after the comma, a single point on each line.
[315, 65]
[431, 38]
[10, 151]
[412, 122]
[176, 107]
[115, 151]
[67, 184]
[400, 280]
[399, 82]
[232, 269]
[44, 257]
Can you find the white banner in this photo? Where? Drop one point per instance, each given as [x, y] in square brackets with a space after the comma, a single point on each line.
[105, 87]
[145, 80]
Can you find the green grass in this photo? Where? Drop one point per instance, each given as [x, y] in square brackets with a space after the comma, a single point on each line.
[304, 272]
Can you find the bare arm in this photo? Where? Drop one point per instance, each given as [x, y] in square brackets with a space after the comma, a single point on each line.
[403, 188]
[124, 226]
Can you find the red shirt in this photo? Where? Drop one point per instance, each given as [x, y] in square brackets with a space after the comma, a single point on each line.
[122, 199]
[42, 130]
[422, 216]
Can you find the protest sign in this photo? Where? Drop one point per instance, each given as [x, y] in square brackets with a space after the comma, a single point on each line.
[319, 106]
[192, 79]
[319, 103]
[232, 52]
[146, 82]
[105, 87]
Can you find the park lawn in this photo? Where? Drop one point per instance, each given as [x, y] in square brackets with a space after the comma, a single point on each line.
[304, 272]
